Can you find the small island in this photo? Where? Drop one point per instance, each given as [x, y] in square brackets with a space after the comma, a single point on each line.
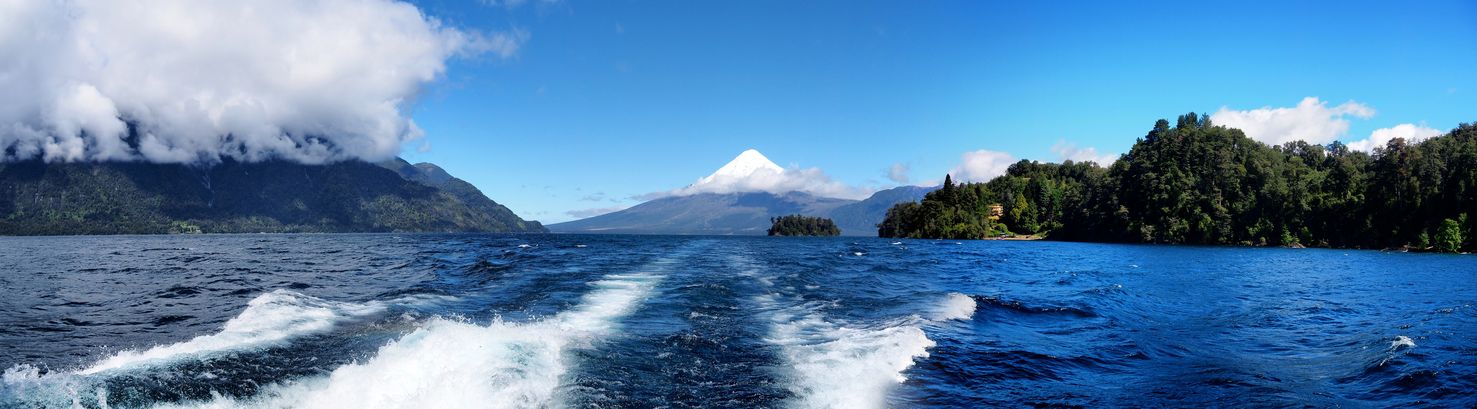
[797, 225]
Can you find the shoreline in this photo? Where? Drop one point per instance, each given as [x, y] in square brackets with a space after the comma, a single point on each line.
[1016, 237]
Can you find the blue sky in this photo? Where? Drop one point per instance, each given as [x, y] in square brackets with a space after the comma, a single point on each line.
[608, 100]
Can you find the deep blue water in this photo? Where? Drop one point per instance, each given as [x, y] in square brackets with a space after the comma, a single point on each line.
[423, 321]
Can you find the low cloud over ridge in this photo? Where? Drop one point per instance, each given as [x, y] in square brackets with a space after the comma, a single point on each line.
[1412, 133]
[981, 165]
[1070, 151]
[1312, 120]
[304, 80]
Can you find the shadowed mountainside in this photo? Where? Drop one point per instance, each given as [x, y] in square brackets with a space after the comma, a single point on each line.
[704, 213]
[861, 218]
[38, 198]
[742, 213]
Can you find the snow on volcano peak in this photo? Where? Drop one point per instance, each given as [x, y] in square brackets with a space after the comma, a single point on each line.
[745, 165]
[750, 171]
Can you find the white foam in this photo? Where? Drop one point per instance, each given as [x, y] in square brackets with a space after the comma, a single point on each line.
[955, 307]
[614, 296]
[1402, 341]
[1399, 342]
[447, 363]
[269, 320]
[443, 364]
[836, 366]
[26, 386]
[21, 373]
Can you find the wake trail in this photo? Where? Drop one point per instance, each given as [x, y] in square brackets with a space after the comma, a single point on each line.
[449, 363]
[837, 364]
[442, 363]
[272, 319]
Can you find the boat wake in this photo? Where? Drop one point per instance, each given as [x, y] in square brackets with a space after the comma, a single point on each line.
[955, 306]
[840, 366]
[271, 319]
[442, 363]
[836, 364]
[449, 363]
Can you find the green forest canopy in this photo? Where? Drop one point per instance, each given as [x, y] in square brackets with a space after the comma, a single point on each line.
[1198, 183]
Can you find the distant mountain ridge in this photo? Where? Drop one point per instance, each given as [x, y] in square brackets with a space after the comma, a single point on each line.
[238, 197]
[743, 213]
[703, 213]
[740, 198]
[861, 218]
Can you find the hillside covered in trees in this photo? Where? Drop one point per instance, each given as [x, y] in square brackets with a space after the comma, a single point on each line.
[1197, 183]
[39, 198]
[797, 225]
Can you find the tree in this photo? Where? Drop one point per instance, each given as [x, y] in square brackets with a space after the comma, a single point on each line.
[948, 189]
[1449, 235]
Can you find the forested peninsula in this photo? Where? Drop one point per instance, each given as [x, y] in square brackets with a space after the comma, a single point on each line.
[1198, 183]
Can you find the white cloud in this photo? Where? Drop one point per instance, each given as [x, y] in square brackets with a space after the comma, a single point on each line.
[599, 197]
[898, 173]
[1070, 151]
[1411, 132]
[512, 4]
[981, 166]
[304, 80]
[1311, 120]
[587, 213]
[794, 179]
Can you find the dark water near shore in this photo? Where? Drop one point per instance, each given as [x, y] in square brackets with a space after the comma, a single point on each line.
[355, 321]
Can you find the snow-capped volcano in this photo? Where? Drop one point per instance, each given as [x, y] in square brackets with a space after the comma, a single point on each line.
[742, 196]
[743, 166]
[752, 172]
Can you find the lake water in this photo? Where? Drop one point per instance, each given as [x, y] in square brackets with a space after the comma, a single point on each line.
[424, 321]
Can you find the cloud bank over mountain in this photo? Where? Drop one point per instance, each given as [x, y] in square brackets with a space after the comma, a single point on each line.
[310, 81]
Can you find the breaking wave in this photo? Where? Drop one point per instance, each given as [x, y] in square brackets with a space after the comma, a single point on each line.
[955, 307]
[835, 364]
[449, 363]
[270, 319]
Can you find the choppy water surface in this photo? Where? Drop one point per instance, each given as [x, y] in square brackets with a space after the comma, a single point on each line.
[363, 321]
